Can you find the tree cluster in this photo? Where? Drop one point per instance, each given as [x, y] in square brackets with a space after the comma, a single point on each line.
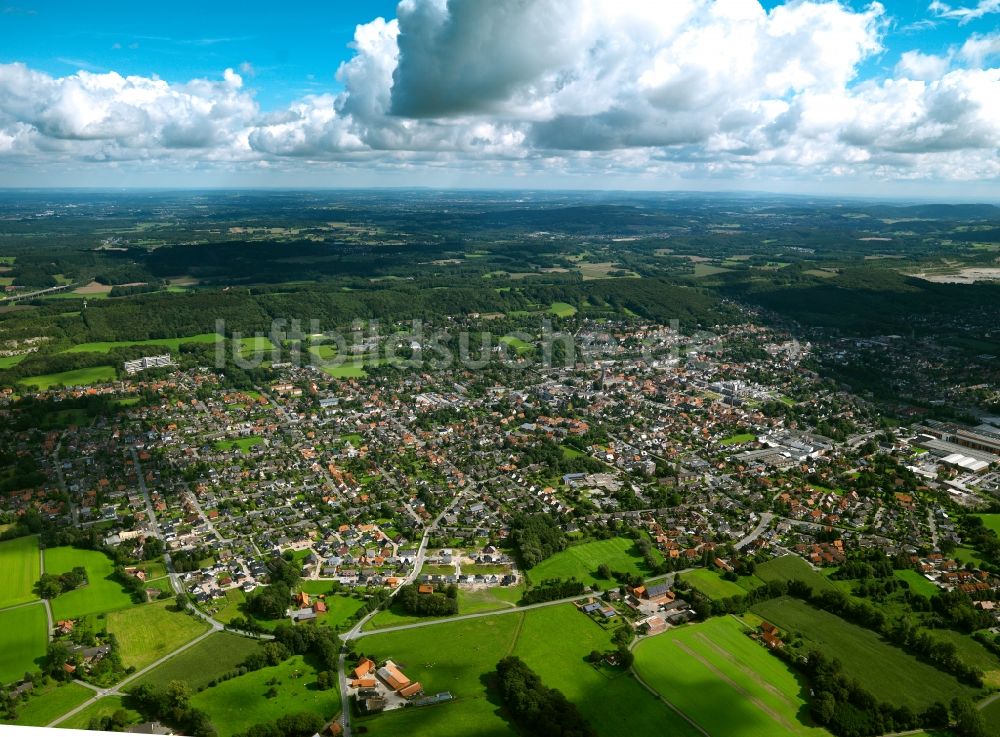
[536, 708]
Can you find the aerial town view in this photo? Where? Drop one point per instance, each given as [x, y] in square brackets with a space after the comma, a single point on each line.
[514, 369]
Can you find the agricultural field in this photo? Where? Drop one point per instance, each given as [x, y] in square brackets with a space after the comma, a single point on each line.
[7, 362]
[886, 671]
[488, 600]
[102, 708]
[581, 561]
[19, 570]
[171, 343]
[973, 653]
[49, 702]
[239, 703]
[219, 653]
[148, 632]
[699, 667]
[714, 586]
[77, 377]
[23, 639]
[793, 568]
[101, 594]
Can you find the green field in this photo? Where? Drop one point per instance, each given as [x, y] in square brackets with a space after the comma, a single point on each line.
[992, 521]
[991, 715]
[217, 654]
[78, 377]
[714, 586]
[918, 584]
[237, 704]
[23, 639]
[738, 439]
[701, 667]
[346, 371]
[19, 570]
[148, 632]
[7, 362]
[887, 672]
[48, 702]
[581, 561]
[793, 568]
[488, 600]
[241, 444]
[520, 347]
[104, 707]
[171, 343]
[101, 594]
[562, 309]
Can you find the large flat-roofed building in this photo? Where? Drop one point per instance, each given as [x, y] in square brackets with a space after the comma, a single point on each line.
[147, 362]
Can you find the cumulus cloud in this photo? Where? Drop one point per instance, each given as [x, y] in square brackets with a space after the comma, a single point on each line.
[690, 87]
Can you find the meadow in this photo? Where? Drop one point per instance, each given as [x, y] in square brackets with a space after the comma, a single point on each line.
[887, 672]
[101, 594]
[243, 445]
[217, 654]
[48, 702]
[23, 639]
[19, 570]
[581, 561]
[918, 584]
[171, 343]
[714, 586]
[724, 681]
[7, 362]
[102, 708]
[744, 437]
[793, 568]
[77, 377]
[992, 521]
[562, 309]
[148, 632]
[239, 703]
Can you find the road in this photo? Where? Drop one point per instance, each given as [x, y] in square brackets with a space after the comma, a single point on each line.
[765, 520]
[932, 523]
[45, 602]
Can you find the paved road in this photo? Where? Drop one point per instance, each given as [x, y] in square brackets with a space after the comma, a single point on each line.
[45, 602]
[765, 520]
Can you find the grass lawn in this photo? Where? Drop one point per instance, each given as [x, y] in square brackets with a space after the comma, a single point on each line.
[793, 568]
[918, 584]
[973, 653]
[242, 444]
[102, 708]
[889, 673]
[148, 632]
[992, 521]
[555, 641]
[488, 600]
[78, 377]
[101, 594]
[346, 371]
[430, 569]
[991, 715]
[171, 343]
[581, 561]
[520, 347]
[700, 667]
[23, 639]
[714, 586]
[7, 362]
[49, 702]
[19, 570]
[562, 309]
[199, 664]
[738, 439]
[965, 555]
[237, 704]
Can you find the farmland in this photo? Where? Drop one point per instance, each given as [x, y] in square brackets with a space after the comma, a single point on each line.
[699, 667]
[19, 570]
[49, 702]
[199, 664]
[171, 343]
[581, 561]
[148, 632]
[793, 568]
[917, 583]
[101, 594]
[239, 703]
[23, 638]
[77, 377]
[887, 672]
[102, 708]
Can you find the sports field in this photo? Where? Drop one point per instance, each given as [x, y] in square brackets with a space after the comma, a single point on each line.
[237, 704]
[19, 570]
[101, 594]
[727, 683]
[23, 639]
[148, 632]
[77, 377]
[887, 672]
[49, 702]
[793, 568]
[581, 561]
[171, 343]
[714, 586]
[199, 664]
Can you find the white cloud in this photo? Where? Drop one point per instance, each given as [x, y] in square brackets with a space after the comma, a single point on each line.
[964, 14]
[635, 87]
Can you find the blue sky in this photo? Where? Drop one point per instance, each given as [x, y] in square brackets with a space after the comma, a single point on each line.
[790, 94]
